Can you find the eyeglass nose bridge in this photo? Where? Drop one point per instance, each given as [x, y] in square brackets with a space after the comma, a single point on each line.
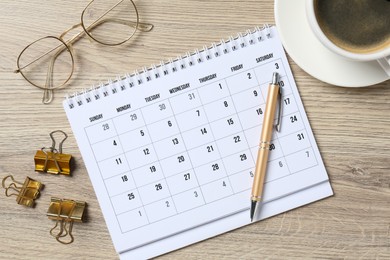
[70, 29]
[75, 38]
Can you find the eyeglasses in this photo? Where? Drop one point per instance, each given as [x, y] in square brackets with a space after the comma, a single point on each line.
[48, 63]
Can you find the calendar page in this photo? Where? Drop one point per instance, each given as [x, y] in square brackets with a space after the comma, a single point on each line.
[173, 149]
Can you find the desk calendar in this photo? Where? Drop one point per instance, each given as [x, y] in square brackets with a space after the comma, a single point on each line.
[171, 150]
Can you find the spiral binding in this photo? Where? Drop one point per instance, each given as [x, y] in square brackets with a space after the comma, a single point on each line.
[215, 50]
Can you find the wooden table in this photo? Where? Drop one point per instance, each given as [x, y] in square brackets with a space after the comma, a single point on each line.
[351, 127]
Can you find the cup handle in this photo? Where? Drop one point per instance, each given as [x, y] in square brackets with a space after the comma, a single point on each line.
[385, 64]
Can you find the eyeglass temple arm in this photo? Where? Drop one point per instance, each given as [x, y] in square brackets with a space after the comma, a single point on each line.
[48, 92]
[144, 27]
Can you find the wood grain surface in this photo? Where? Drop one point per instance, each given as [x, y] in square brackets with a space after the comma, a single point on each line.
[351, 127]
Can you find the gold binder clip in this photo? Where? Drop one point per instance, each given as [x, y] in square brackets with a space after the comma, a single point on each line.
[51, 160]
[65, 212]
[26, 193]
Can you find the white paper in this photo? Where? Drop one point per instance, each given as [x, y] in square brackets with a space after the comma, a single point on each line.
[171, 158]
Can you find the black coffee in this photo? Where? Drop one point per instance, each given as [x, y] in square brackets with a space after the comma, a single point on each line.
[360, 26]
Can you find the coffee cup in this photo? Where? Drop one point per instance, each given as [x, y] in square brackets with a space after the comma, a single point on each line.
[355, 29]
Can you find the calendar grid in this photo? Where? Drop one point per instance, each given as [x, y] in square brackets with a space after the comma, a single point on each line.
[210, 122]
[220, 102]
[173, 117]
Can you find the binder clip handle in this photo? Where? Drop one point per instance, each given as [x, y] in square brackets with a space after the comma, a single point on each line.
[54, 158]
[53, 144]
[63, 232]
[11, 186]
[26, 192]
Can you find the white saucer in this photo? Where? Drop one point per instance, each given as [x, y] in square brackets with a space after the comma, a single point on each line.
[309, 53]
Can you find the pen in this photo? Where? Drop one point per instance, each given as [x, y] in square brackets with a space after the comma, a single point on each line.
[265, 141]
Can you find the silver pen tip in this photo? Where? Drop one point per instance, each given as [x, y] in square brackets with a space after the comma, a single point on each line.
[253, 209]
[275, 78]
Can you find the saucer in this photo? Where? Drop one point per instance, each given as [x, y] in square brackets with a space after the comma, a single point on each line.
[314, 58]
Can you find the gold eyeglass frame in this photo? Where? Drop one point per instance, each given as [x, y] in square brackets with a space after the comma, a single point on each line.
[68, 46]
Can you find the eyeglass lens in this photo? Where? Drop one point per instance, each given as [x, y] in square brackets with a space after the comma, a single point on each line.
[110, 22]
[46, 63]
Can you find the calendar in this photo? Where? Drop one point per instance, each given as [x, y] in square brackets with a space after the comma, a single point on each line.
[171, 149]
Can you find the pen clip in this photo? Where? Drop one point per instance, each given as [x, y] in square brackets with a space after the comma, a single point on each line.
[279, 113]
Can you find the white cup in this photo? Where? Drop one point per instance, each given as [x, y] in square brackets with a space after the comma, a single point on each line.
[382, 56]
